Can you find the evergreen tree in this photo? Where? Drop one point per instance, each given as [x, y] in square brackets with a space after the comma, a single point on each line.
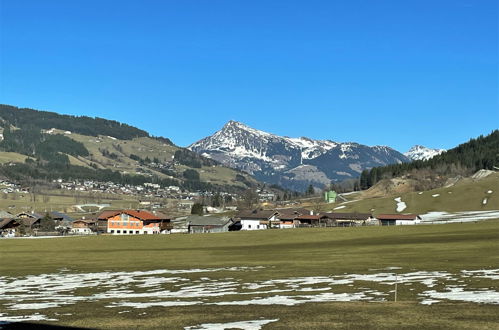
[197, 208]
[47, 223]
[310, 190]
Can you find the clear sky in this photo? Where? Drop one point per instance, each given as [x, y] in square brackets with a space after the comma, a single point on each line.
[386, 72]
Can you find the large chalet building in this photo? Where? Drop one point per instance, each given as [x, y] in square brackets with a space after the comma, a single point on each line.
[132, 222]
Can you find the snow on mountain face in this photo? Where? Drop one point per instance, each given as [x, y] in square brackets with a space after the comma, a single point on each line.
[276, 159]
[422, 153]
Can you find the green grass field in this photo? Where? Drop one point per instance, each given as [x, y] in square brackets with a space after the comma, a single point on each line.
[303, 278]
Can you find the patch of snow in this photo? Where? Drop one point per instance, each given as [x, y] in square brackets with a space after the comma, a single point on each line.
[459, 294]
[489, 192]
[400, 205]
[482, 174]
[484, 202]
[5, 319]
[339, 207]
[466, 216]
[483, 273]
[435, 195]
[244, 325]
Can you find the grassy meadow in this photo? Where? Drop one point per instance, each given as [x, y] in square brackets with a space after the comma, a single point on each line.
[297, 262]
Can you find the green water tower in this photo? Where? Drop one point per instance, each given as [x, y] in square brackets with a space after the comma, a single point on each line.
[330, 196]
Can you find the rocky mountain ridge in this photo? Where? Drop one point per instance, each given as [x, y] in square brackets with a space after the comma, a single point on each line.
[293, 163]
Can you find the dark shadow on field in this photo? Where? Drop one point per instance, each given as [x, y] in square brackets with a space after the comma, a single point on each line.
[29, 325]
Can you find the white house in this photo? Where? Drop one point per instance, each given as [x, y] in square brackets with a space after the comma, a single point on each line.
[257, 219]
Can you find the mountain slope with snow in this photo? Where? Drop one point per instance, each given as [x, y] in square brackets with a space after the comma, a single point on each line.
[418, 152]
[292, 162]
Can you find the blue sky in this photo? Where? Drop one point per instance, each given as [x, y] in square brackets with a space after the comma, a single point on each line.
[394, 73]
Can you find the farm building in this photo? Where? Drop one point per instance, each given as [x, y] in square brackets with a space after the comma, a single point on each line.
[287, 220]
[258, 219]
[8, 227]
[200, 224]
[347, 219]
[133, 222]
[398, 219]
[84, 227]
[29, 220]
[307, 220]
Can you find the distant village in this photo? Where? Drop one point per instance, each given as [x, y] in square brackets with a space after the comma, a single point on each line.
[139, 222]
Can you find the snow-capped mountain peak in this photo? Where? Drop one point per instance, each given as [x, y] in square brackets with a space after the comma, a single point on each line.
[278, 159]
[419, 152]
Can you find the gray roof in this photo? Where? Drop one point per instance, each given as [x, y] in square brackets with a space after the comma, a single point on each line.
[5, 215]
[59, 215]
[196, 220]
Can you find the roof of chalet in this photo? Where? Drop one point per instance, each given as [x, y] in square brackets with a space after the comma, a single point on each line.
[28, 221]
[139, 214]
[257, 214]
[5, 221]
[398, 217]
[29, 215]
[297, 211]
[287, 216]
[197, 220]
[346, 216]
[308, 217]
[104, 215]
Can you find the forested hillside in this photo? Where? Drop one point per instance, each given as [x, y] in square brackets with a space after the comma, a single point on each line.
[83, 148]
[30, 119]
[474, 155]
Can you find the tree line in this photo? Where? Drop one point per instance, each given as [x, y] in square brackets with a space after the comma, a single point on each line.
[476, 154]
[34, 119]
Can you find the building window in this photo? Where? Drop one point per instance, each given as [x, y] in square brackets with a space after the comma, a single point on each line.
[124, 231]
[249, 226]
[118, 232]
[112, 231]
[137, 232]
[124, 217]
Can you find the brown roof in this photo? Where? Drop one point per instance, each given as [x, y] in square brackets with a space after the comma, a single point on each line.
[298, 210]
[107, 214]
[257, 214]
[346, 216]
[28, 221]
[398, 217]
[139, 214]
[4, 222]
[308, 217]
[283, 216]
[142, 215]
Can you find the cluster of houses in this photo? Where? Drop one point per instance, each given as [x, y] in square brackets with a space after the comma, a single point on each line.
[140, 222]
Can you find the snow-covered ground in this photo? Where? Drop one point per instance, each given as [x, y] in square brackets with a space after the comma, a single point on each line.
[468, 216]
[126, 291]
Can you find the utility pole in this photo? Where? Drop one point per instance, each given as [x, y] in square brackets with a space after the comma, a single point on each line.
[396, 280]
